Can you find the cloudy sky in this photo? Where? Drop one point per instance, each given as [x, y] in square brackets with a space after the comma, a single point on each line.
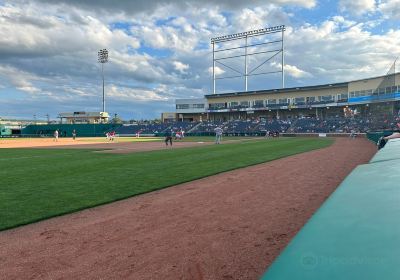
[160, 50]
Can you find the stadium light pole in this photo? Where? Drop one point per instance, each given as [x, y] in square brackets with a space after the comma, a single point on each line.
[103, 58]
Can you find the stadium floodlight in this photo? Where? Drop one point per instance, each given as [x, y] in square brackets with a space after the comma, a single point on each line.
[246, 35]
[103, 58]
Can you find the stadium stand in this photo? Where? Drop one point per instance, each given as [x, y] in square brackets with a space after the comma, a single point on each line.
[274, 125]
[206, 127]
[240, 127]
[153, 128]
[243, 127]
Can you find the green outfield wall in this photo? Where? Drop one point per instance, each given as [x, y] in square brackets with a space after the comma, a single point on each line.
[65, 130]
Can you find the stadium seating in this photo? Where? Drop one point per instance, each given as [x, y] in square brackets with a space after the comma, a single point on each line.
[239, 127]
[154, 128]
[254, 126]
[274, 125]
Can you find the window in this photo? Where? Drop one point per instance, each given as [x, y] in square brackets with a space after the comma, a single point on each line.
[299, 100]
[234, 104]
[283, 101]
[311, 99]
[259, 103]
[244, 103]
[198, 106]
[217, 106]
[326, 98]
[182, 106]
[271, 101]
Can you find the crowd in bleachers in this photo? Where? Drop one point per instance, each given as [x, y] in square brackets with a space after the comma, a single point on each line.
[239, 126]
[153, 128]
[274, 125]
[301, 124]
[339, 124]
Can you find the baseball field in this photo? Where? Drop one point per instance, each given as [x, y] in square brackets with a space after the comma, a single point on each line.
[42, 183]
[225, 211]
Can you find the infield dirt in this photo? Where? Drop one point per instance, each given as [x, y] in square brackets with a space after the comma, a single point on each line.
[227, 226]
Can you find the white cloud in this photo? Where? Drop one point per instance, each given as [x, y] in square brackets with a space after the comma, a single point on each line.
[167, 36]
[390, 9]
[218, 71]
[48, 51]
[20, 34]
[181, 67]
[135, 95]
[21, 80]
[296, 72]
[331, 54]
[140, 6]
[344, 22]
[357, 7]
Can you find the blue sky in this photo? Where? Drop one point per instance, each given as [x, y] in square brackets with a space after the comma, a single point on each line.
[160, 50]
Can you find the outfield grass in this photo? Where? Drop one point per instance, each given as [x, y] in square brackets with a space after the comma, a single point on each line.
[212, 138]
[36, 184]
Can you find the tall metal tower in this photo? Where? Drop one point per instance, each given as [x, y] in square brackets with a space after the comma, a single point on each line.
[103, 58]
[278, 48]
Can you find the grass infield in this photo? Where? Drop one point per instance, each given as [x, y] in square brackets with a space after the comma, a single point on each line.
[36, 184]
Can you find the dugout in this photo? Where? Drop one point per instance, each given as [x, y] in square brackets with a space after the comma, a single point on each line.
[10, 130]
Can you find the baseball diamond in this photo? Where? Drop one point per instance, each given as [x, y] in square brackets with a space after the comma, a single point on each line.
[199, 140]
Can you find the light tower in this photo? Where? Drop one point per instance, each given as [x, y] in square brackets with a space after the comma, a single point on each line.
[103, 58]
[270, 48]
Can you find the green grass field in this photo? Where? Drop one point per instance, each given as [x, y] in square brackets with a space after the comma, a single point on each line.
[37, 184]
[212, 138]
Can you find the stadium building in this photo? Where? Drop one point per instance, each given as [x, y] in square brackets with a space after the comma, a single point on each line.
[84, 117]
[361, 97]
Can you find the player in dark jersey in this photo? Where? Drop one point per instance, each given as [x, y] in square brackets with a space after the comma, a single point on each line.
[168, 137]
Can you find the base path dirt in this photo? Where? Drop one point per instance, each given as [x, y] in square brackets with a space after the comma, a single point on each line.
[93, 143]
[129, 147]
[227, 226]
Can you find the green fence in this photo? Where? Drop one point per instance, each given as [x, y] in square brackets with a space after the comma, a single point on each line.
[65, 130]
[374, 136]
